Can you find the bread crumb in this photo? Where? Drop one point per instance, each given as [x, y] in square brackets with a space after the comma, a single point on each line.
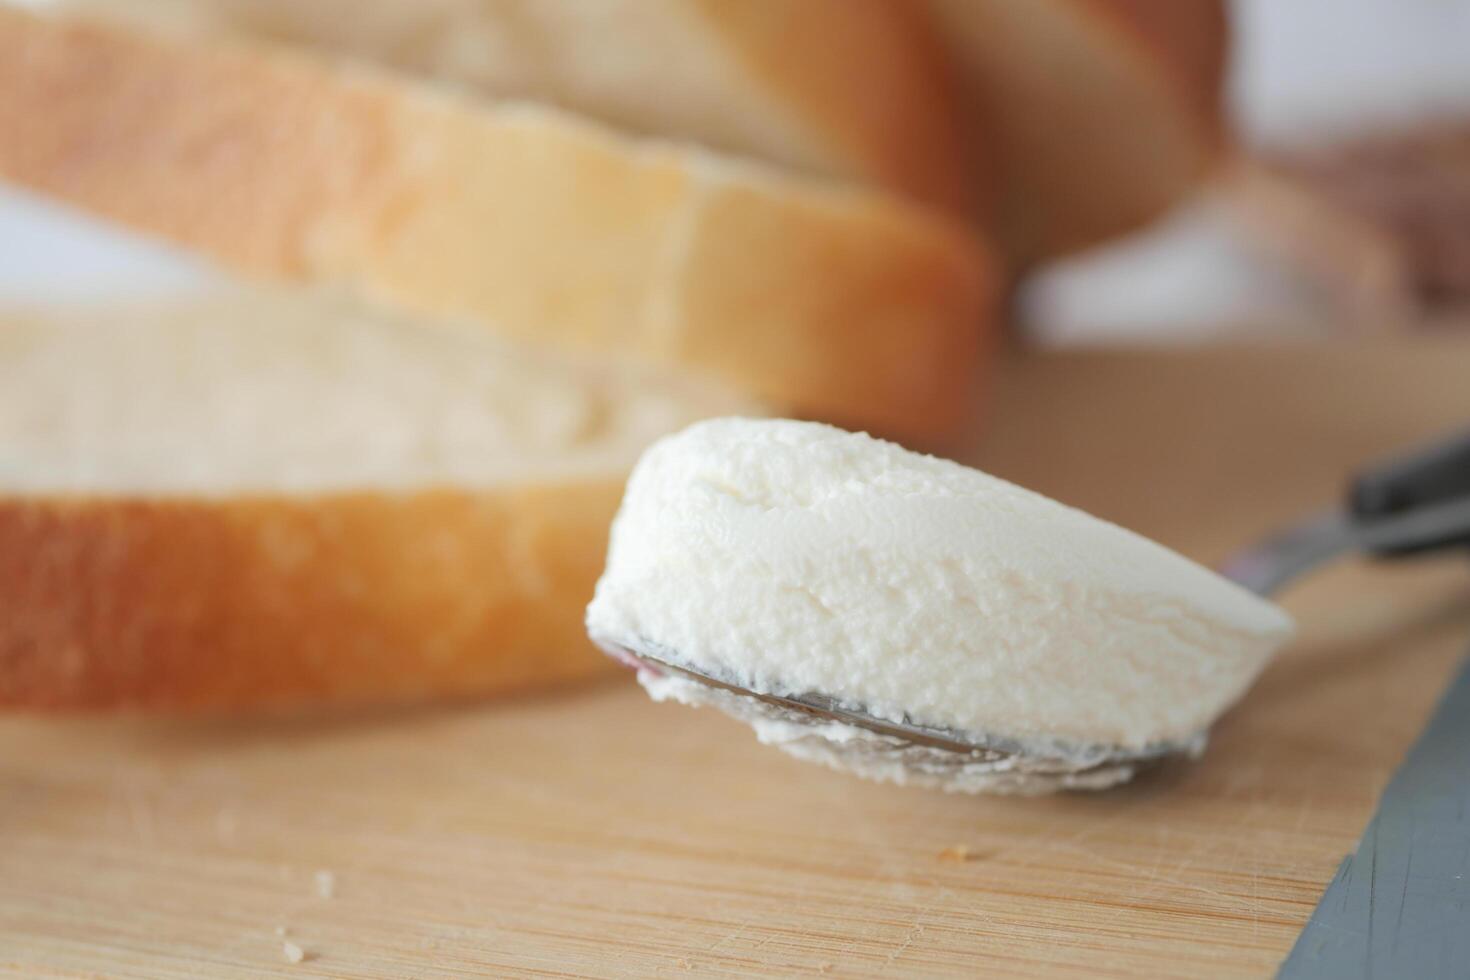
[280, 930]
[682, 964]
[958, 853]
[292, 952]
[824, 967]
[326, 884]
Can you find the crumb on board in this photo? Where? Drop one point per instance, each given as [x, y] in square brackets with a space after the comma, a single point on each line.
[959, 853]
[280, 930]
[326, 884]
[292, 952]
[824, 967]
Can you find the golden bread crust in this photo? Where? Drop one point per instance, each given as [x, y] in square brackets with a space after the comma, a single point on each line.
[1101, 114]
[191, 604]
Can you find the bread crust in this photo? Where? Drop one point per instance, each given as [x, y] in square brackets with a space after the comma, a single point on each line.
[1103, 113]
[193, 603]
[1190, 40]
[838, 303]
[871, 77]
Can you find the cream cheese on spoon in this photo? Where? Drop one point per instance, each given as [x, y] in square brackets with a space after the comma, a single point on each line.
[790, 558]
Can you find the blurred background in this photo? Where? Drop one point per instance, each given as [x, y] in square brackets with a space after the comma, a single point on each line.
[1349, 210]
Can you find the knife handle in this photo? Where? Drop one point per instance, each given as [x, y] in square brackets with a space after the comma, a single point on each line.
[1415, 503]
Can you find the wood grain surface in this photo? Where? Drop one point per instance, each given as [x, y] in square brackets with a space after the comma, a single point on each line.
[596, 834]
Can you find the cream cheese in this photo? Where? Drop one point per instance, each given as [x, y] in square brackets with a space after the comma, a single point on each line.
[790, 558]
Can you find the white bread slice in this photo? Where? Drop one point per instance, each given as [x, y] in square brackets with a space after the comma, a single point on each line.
[1100, 114]
[850, 88]
[264, 501]
[835, 301]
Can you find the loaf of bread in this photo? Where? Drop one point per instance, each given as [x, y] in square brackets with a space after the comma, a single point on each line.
[832, 301]
[265, 500]
[849, 88]
[1096, 114]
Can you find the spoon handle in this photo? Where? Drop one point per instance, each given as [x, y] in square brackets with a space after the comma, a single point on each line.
[1415, 503]
[1411, 505]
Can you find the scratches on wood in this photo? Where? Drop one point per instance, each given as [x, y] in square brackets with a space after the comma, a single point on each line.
[913, 933]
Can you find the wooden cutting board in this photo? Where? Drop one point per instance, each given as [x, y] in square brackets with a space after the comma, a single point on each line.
[594, 833]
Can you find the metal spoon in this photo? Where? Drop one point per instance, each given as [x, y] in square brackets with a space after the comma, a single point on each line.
[1405, 507]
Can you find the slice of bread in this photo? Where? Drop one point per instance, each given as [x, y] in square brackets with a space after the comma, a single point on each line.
[1100, 114]
[850, 88]
[834, 301]
[264, 501]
